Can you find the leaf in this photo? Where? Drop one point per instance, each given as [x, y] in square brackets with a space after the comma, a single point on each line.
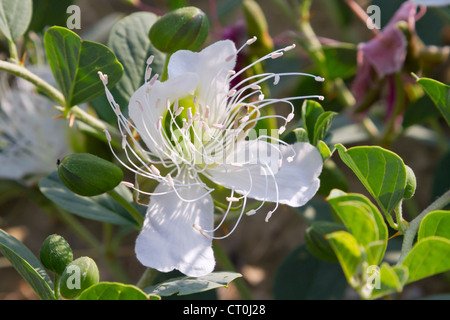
[349, 254]
[187, 285]
[439, 93]
[315, 240]
[130, 42]
[113, 291]
[381, 171]
[303, 277]
[26, 263]
[363, 221]
[100, 208]
[75, 64]
[435, 223]
[15, 16]
[316, 121]
[428, 257]
[389, 280]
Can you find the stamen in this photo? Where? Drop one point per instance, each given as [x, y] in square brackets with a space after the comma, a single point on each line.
[155, 170]
[276, 80]
[252, 40]
[288, 48]
[290, 117]
[124, 141]
[179, 111]
[251, 212]
[232, 199]
[150, 59]
[108, 136]
[229, 58]
[289, 159]
[319, 79]
[199, 229]
[169, 180]
[127, 184]
[281, 130]
[231, 93]
[153, 80]
[276, 55]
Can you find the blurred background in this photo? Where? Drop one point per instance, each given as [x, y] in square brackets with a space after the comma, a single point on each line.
[265, 253]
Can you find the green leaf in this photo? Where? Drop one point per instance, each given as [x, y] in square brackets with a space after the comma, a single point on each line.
[100, 208]
[113, 291]
[363, 221]
[26, 263]
[303, 277]
[316, 121]
[381, 171]
[435, 223]
[129, 41]
[75, 64]
[389, 280]
[15, 16]
[439, 93]
[187, 285]
[315, 240]
[428, 257]
[349, 254]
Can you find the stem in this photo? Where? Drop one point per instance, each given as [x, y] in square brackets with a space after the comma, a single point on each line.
[40, 84]
[226, 264]
[414, 225]
[128, 206]
[147, 278]
[13, 51]
[402, 225]
[56, 286]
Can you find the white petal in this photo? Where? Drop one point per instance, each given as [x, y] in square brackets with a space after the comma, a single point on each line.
[147, 105]
[168, 239]
[212, 65]
[297, 181]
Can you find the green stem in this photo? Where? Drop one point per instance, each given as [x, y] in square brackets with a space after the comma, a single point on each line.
[414, 225]
[402, 224]
[128, 206]
[147, 278]
[40, 84]
[56, 286]
[13, 51]
[225, 263]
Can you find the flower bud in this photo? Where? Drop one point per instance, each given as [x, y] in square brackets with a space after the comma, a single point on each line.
[411, 183]
[89, 175]
[78, 276]
[183, 28]
[55, 254]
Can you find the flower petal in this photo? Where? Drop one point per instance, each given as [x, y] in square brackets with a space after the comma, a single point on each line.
[168, 239]
[294, 184]
[212, 65]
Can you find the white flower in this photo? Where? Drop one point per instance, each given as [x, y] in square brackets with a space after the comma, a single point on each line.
[30, 138]
[195, 127]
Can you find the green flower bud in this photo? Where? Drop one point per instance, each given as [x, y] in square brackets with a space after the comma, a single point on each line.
[89, 175]
[411, 183]
[78, 276]
[315, 240]
[55, 254]
[184, 28]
